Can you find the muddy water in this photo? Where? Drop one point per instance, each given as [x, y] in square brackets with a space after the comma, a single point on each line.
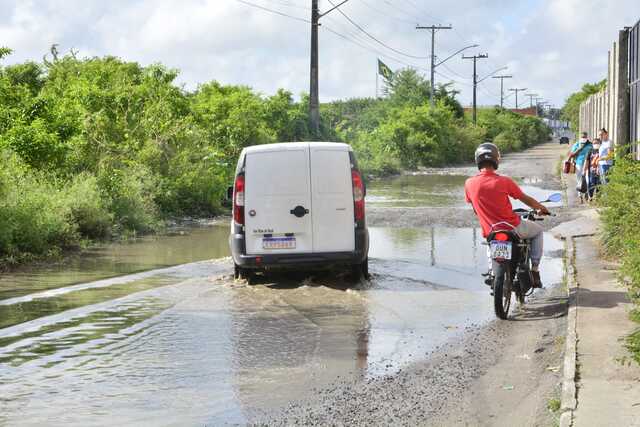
[174, 340]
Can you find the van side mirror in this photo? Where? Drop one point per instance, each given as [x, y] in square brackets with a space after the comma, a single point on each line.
[229, 193]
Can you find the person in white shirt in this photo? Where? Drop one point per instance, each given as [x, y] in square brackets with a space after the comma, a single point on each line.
[605, 155]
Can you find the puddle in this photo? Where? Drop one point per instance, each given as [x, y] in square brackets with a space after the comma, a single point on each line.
[116, 259]
[186, 346]
[206, 352]
[417, 191]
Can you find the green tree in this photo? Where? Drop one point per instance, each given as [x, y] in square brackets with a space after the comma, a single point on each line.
[571, 110]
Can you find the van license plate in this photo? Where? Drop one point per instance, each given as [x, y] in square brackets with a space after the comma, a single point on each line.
[500, 250]
[279, 243]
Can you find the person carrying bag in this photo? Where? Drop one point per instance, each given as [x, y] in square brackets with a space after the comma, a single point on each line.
[578, 153]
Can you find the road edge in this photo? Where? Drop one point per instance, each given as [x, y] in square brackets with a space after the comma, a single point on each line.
[568, 401]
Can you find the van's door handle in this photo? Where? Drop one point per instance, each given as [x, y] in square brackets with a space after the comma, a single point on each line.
[299, 211]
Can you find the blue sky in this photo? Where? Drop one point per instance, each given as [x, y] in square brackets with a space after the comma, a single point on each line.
[551, 47]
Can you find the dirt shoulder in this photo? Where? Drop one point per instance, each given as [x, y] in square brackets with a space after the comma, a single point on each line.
[491, 375]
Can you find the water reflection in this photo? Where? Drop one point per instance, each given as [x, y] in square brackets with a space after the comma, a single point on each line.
[417, 191]
[115, 259]
[215, 351]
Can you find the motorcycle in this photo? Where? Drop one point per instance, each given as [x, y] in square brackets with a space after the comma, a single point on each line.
[510, 268]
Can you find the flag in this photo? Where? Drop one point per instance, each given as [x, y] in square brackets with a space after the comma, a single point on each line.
[384, 71]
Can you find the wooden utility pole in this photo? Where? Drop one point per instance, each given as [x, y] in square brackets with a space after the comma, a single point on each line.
[475, 83]
[531, 97]
[433, 29]
[314, 102]
[314, 99]
[516, 90]
[502, 88]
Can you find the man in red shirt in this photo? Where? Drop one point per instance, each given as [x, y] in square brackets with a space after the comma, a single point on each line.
[489, 195]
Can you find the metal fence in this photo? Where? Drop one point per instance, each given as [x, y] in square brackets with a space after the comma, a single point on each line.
[634, 88]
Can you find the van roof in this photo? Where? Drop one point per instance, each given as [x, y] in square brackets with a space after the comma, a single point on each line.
[292, 145]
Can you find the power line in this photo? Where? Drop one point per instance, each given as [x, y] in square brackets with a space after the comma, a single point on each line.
[372, 49]
[355, 40]
[288, 4]
[452, 79]
[387, 15]
[452, 71]
[355, 37]
[374, 38]
[403, 11]
[277, 12]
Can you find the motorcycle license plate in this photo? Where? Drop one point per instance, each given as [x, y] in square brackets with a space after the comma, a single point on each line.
[500, 250]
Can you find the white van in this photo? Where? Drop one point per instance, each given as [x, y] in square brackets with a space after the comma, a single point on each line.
[298, 205]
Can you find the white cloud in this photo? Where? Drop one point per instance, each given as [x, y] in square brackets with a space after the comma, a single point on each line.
[551, 46]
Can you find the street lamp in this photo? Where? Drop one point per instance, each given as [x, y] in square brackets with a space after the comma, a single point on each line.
[454, 54]
[434, 65]
[491, 74]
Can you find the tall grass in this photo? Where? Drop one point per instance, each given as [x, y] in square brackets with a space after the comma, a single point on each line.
[621, 239]
[41, 214]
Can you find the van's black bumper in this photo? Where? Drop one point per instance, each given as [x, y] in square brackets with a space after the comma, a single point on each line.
[292, 261]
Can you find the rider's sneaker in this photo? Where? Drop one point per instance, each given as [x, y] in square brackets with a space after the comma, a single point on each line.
[537, 283]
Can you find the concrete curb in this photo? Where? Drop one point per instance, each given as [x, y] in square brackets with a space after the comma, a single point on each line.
[568, 397]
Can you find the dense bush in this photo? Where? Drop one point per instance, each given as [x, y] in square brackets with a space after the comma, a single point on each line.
[621, 221]
[98, 147]
[39, 214]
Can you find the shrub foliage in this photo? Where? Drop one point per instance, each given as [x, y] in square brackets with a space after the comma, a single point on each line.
[95, 147]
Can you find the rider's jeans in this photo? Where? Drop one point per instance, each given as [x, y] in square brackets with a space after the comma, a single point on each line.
[532, 231]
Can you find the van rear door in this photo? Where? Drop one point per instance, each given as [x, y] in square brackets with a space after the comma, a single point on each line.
[332, 198]
[278, 211]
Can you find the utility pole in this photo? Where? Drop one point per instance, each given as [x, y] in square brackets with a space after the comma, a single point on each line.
[314, 102]
[475, 83]
[516, 90]
[531, 96]
[502, 88]
[433, 29]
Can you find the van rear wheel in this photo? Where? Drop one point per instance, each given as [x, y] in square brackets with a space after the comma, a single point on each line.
[242, 273]
[360, 271]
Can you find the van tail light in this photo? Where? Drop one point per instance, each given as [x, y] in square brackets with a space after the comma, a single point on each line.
[358, 195]
[238, 200]
[502, 237]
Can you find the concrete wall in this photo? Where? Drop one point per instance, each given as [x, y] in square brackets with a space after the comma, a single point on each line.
[611, 107]
[634, 88]
[600, 110]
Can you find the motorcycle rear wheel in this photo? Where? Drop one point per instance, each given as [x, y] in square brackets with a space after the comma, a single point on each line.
[502, 288]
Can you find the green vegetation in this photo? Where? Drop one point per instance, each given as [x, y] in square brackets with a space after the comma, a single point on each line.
[621, 220]
[571, 110]
[99, 147]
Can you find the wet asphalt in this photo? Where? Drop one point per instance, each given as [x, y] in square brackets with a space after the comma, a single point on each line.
[155, 332]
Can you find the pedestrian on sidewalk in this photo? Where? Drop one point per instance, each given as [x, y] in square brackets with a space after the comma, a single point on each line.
[605, 154]
[592, 173]
[579, 152]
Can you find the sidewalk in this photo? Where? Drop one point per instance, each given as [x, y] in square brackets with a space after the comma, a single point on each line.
[607, 380]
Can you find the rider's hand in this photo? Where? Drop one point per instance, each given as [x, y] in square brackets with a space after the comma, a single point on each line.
[543, 211]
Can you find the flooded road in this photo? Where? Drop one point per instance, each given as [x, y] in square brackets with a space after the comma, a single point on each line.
[156, 331]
